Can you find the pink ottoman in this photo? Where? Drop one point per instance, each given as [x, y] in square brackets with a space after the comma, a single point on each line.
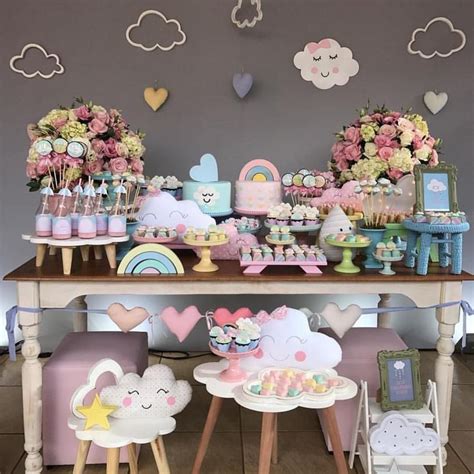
[359, 362]
[67, 369]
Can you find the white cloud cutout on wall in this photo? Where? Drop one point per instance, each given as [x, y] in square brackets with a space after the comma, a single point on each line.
[161, 18]
[419, 32]
[15, 62]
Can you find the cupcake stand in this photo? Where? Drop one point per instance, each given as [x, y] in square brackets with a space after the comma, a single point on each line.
[210, 375]
[346, 265]
[206, 264]
[233, 373]
[387, 263]
[302, 231]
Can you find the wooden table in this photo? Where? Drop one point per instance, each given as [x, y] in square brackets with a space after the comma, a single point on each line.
[47, 287]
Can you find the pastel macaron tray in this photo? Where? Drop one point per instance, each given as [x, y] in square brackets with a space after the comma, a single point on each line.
[293, 384]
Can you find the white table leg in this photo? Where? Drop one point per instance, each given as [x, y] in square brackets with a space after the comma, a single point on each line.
[384, 319]
[447, 319]
[31, 374]
[79, 318]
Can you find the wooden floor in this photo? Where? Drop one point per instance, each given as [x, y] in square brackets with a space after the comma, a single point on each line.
[234, 448]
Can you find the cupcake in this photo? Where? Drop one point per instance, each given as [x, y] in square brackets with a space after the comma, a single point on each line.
[297, 219]
[227, 327]
[275, 232]
[285, 233]
[223, 342]
[380, 248]
[242, 342]
[214, 333]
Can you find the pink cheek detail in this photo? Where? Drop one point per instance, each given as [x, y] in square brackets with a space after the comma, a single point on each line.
[335, 70]
[314, 70]
[126, 402]
[171, 401]
[180, 228]
[300, 356]
[258, 354]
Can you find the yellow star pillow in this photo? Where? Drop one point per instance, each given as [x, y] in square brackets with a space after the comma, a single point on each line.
[97, 414]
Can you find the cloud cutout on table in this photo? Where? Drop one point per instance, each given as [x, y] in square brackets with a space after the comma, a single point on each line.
[157, 394]
[162, 209]
[289, 342]
[326, 64]
[160, 18]
[246, 22]
[31, 48]
[396, 435]
[419, 32]
[436, 186]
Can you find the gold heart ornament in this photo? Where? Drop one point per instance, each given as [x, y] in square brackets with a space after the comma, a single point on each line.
[155, 98]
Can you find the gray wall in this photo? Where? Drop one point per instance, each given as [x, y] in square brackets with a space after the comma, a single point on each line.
[284, 118]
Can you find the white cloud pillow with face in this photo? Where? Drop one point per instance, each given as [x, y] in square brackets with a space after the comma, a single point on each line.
[157, 394]
[326, 64]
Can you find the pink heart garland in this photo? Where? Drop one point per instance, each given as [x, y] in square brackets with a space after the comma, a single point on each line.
[223, 316]
[180, 324]
[127, 319]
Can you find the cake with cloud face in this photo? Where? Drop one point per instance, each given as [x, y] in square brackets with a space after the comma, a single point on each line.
[155, 395]
[211, 195]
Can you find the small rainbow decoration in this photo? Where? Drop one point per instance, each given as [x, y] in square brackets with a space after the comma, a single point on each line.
[259, 170]
[150, 259]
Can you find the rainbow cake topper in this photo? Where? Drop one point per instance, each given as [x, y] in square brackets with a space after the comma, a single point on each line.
[206, 171]
[150, 259]
[259, 170]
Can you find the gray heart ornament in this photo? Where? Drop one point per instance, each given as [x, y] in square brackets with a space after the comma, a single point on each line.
[242, 83]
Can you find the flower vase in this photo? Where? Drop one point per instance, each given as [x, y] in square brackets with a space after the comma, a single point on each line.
[375, 236]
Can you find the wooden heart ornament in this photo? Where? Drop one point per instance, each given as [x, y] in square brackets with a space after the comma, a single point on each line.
[155, 98]
[223, 316]
[180, 324]
[127, 319]
[339, 320]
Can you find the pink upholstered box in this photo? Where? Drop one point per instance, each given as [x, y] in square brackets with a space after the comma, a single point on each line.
[359, 362]
[67, 369]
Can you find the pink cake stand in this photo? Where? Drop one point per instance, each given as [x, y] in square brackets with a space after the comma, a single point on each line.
[233, 373]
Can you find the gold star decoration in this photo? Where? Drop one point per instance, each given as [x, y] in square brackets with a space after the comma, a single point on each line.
[96, 414]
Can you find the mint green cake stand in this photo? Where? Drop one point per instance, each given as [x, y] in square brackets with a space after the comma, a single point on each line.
[346, 265]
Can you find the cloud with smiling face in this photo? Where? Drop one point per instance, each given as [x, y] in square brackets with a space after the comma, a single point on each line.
[158, 21]
[157, 394]
[436, 186]
[326, 64]
[160, 209]
[289, 342]
[438, 33]
[46, 65]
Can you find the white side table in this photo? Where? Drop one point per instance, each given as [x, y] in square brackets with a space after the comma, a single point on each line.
[208, 374]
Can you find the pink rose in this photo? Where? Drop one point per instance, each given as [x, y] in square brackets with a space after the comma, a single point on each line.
[59, 122]
[31, 170]
[386, 153]
[97, 126]
[338, 147]
[377, 117]
[74, 162]
[58, 159]
[395, 174]
[102, 115]
[43, 165]
[352, 134]
[417, 143]
[118, 165]
[388, 131]
[434, 160]
[430, 141]
[353, 152]
[405, 124]
[340, 160]
[99, 147]
[82, 113]
[137, 166]
[382, 140]
[93, 167]
[121, 150]
[110, 148]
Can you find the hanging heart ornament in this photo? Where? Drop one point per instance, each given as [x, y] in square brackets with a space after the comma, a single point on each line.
[155, 98]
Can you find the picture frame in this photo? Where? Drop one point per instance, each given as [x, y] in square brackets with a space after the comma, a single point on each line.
[400, 380]
[435, 188]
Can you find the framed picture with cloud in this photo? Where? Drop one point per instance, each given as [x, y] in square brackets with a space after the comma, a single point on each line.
[400, 382]
[436, 188]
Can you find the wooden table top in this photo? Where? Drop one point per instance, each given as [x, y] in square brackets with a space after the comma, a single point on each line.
[229, 271]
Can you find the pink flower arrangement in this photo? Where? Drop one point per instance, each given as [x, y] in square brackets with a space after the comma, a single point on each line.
[382, 144]
[108, 142]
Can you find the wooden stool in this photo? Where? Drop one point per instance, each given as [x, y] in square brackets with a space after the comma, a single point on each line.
[113, 455]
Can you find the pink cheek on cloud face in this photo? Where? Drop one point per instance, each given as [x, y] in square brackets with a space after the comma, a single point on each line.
[258, 354]
[126, 402]
[171, 401]
[314, 70]
[300, 356]
[335, 70]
